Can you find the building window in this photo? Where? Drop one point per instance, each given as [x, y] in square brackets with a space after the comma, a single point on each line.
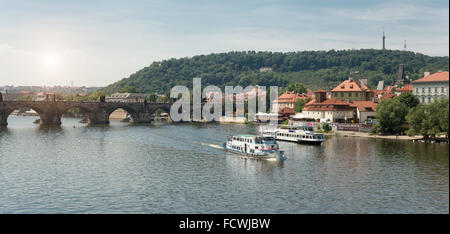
[429, 90]
[342, 94]
[356, 94]
[349, 94]
[429, 99]
[435, 90]
[423, 90]
[423, 99]
[417, 90]
[442, 89]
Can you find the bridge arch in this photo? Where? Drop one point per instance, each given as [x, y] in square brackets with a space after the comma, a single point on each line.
[87, 111]
[134, 114]
[8, 111]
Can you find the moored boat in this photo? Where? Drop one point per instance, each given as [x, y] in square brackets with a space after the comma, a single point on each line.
[252, 146]
[299, 134]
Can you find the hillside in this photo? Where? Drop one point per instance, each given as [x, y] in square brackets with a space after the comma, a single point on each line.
[315, 69]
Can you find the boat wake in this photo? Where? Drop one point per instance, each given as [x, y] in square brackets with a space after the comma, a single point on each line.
[212, 145]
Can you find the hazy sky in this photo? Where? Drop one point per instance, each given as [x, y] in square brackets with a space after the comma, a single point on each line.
[95, 43]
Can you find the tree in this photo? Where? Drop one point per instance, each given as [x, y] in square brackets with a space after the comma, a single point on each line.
[443, 115]
[429, 120]
[128, 89]
[326, 127]
[391, 116]
[300, 104]
[408, 99]
[297, 87]
[152, 98]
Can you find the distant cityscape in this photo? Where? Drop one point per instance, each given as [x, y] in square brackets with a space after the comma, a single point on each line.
[18, 91]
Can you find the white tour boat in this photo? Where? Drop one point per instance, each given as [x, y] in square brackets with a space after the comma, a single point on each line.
[253, 146]
[300, 134]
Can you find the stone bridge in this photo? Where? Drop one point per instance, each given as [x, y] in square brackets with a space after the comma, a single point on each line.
[50, 112]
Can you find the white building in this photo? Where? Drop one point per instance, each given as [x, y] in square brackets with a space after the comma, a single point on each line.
[431, 87]
[126, 97]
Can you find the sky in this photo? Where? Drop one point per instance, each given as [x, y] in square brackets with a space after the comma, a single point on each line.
[95, 43]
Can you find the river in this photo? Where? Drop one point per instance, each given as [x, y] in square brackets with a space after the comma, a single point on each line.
[179, 168]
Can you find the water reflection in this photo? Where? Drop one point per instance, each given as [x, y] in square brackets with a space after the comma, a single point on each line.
[180, 168]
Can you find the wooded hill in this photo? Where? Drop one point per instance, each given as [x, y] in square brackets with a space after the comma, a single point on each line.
[315, 69]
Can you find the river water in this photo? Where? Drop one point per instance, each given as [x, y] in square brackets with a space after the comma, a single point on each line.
[179, 168]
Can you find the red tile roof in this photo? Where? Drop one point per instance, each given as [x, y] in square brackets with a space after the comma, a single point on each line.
[388, 96]
[364, 105]
[435, 77]
[406, 88]
[351, 85]
[331, 104]
[291, 97]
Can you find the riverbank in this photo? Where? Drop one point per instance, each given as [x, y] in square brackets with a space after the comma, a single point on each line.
[368, 135]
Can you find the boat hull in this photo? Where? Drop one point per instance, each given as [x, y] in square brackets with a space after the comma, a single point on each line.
[302, 141]
[269, 156]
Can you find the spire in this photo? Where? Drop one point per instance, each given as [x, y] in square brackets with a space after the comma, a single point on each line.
[404, 46]
[384, 47]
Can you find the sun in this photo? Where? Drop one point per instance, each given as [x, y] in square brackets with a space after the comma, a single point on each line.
[51, 61]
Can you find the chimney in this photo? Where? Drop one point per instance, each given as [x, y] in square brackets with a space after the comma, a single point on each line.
[350, 79]
[320, 96]
[427, 73]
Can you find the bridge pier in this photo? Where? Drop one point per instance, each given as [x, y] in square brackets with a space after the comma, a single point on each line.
[99, 118]
[144, 117]
[50, 118]
[3, 118]
[3, 114]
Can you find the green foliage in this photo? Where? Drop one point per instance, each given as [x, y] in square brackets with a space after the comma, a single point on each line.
[429, 120]
[326, 127]
[300, 104]
[315, 69]
[95, 96]
[25, 98]
[391, 116]
[129, 89]
[297, 87]
[409, 99]
[151, 98]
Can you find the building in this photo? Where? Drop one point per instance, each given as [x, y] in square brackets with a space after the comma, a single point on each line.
[332, 109]
[288, 100]
[402, 78]
[352, 90]
[336, 110]
[265, 69]
[365, 110]
[403, 89]
[431, 87]
[127, 97]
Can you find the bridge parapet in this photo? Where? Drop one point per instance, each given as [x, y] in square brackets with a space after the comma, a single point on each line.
[50, 112]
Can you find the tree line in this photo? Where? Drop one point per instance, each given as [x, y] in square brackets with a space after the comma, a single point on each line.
[406, 115]
[315, 69]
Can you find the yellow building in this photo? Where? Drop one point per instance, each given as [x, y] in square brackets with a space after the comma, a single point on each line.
[353, 90]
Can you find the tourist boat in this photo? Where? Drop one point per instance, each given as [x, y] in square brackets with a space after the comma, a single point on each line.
[84, 120]
[252, 146]
[37, 121]
[299, 134]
